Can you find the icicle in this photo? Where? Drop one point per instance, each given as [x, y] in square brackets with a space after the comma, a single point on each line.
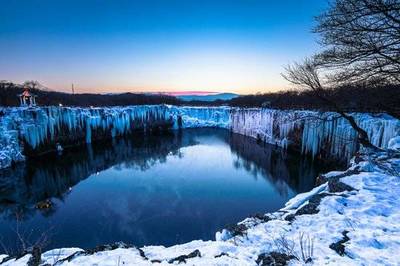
[43, 125]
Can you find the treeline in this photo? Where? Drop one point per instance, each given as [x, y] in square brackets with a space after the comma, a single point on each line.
[359, 98]
[9, 92]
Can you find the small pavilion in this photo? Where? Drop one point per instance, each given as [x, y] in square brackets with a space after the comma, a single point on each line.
[26, 98]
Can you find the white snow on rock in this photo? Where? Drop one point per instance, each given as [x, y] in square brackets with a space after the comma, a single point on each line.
[21, 261]
[394, 143]
[194, 117]
[369, 216]
[10, 148]
[302, 198]
[310, 131]
[313, 129]
[52, 256]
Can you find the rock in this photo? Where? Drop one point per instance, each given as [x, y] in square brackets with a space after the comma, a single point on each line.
[274, 258]
[237, 229]
[358, 158]
[45, 204]
[338, 246]
[36, 257]
[321, 179]
[334, 182]
[261, 217]
[290, 217]
[183, 258]
[336, 186]
[312, 206]
[98, 249]
[142, 254]
[220, 255]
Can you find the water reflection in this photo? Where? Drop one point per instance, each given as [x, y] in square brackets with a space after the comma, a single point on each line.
[150, 190]
[281, 168]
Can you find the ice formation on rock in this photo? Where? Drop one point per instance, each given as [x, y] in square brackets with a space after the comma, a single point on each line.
[394, 143]
[10, 148]
[365, 210]
[314, 133]
[192, 117]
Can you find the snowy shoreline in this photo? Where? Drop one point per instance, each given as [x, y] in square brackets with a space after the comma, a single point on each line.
[350, 219]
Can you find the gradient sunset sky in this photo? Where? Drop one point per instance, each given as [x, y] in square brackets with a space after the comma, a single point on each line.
[146, 45]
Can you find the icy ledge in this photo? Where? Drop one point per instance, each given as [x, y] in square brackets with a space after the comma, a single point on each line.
[34, 130]
[350, 219]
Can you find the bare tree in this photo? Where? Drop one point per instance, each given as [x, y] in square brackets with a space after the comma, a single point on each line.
[6, 88]
[361, 43]
[361, 40]
[32, 84]
[307, 76]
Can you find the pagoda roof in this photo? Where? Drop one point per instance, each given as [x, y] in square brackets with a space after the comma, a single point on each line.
[26, 93]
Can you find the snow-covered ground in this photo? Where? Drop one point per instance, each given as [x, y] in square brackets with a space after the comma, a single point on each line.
[352, 218]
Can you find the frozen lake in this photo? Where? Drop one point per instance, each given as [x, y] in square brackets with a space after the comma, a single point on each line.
[166, 189]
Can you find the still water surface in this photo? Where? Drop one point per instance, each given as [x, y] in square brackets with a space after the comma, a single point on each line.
[151, 190]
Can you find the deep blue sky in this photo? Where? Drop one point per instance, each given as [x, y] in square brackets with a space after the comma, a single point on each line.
[147, 45]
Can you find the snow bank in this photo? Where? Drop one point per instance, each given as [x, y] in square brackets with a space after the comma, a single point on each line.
[359, 226]
[394, 143]
[354, 225]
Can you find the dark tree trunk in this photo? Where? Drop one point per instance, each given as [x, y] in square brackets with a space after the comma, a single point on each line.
[362, 135]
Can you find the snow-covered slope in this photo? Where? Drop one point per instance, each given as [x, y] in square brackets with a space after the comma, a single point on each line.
[31, 130]
[351, 219]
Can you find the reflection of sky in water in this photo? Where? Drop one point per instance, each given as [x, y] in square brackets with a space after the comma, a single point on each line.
[207, 181]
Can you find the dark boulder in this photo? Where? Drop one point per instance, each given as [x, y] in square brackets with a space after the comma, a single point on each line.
[338, 246]
[274, 258]
[237, 229]
[183, 258]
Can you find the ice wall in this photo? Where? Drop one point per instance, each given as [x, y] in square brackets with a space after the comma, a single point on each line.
[10, 148]
[318, 134]
[271, 126]
[191, 117]
[40, 127]
[30, 130]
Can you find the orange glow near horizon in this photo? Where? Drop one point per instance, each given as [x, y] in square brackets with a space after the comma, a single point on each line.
[206, 69]
[163, 46]
[166, 90]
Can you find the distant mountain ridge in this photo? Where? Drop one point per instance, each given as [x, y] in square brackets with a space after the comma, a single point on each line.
[208, 98]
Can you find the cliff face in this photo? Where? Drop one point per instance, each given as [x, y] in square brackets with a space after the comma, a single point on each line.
[29, 131]
[317, 134]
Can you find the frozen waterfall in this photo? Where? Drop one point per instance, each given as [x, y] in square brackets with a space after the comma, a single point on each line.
[314, 132]
[318, 134]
